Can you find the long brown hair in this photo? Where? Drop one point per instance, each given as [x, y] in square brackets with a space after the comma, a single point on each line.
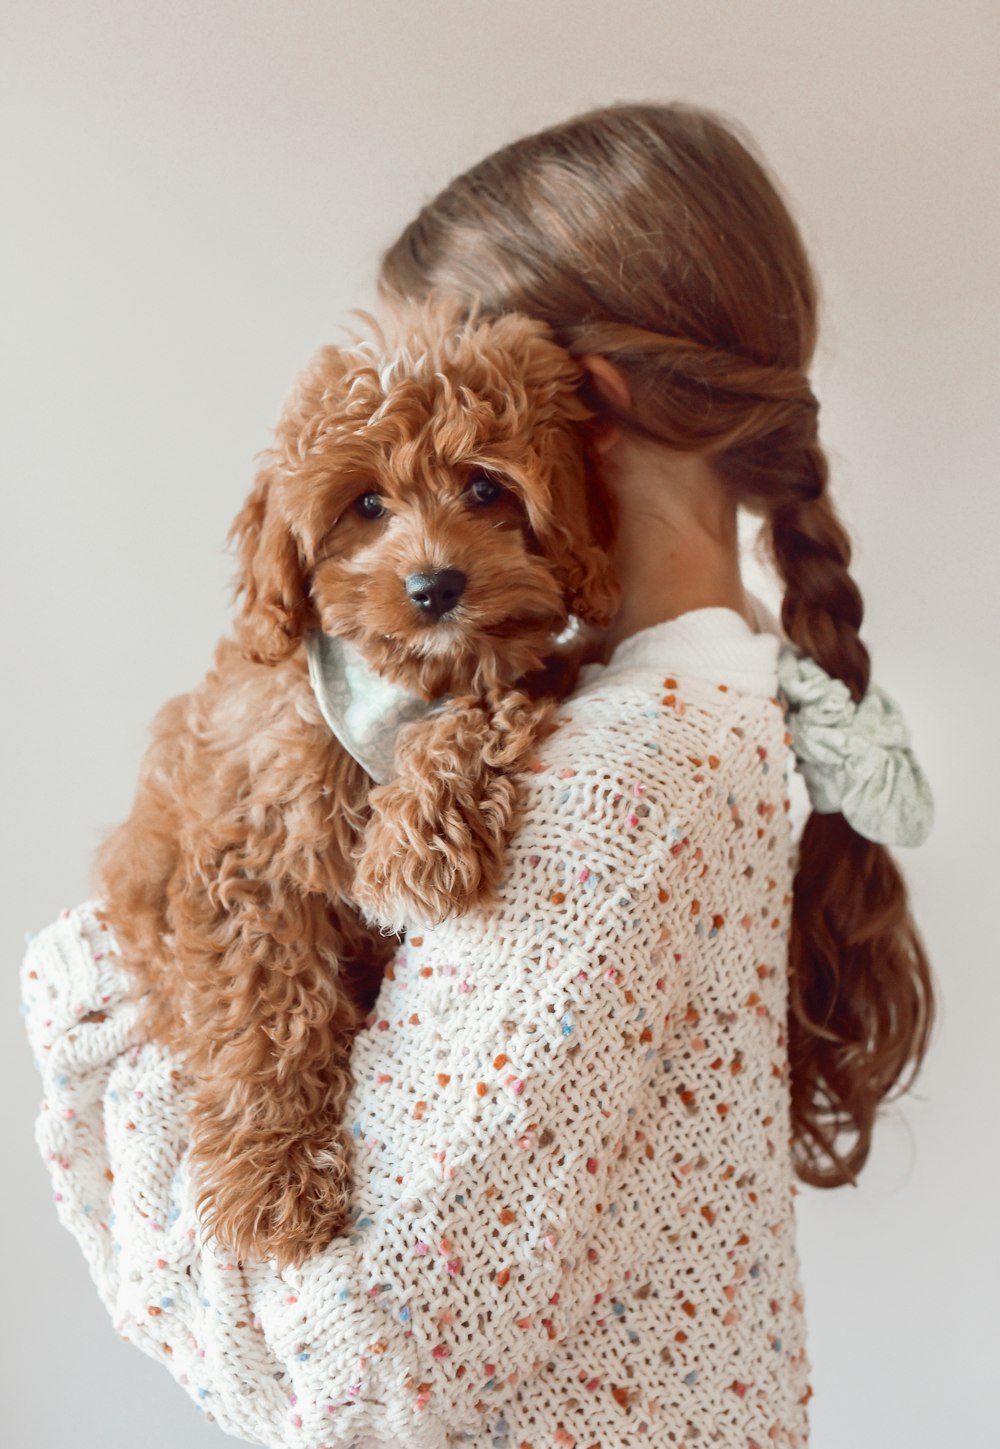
[654, 235]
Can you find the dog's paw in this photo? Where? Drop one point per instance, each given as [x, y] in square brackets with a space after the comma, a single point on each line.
[434, 852]
[436, 841]
[275, 1197]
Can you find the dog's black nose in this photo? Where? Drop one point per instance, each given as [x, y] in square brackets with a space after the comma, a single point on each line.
[435, 594]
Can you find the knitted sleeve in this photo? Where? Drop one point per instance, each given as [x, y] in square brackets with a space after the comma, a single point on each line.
[494, 1086]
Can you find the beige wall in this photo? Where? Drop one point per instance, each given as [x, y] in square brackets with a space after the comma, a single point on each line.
[195, 194]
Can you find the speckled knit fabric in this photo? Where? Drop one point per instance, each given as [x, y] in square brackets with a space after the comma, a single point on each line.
[574, 1201]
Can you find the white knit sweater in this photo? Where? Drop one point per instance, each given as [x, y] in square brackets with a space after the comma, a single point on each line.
[573, 1189]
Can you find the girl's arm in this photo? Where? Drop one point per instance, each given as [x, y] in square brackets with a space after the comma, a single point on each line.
[494, 1088]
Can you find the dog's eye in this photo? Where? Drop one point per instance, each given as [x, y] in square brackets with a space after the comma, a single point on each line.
[370, 505]
[485, 489]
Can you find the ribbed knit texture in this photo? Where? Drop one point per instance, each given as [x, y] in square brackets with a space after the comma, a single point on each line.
[574, 1198]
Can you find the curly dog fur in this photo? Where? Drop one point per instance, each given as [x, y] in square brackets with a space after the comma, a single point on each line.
[252, 886]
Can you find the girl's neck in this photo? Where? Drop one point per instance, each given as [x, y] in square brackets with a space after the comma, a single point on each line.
[677, 544]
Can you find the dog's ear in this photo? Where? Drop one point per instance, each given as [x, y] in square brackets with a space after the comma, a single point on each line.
[577, 534]
[272, 576]
[574, 524]
[591, 586]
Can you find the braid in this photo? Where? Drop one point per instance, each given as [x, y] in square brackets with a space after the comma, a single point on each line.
[822, 608]
[860, 993]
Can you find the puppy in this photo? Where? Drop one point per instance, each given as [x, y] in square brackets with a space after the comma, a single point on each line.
[426, 505]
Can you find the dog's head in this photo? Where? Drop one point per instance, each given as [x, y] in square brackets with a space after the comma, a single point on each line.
[429, 498]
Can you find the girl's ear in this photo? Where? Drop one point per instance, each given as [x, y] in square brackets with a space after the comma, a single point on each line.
[272, 577]
[608, 382]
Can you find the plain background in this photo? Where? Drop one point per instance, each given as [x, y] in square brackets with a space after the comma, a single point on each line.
[195, 194]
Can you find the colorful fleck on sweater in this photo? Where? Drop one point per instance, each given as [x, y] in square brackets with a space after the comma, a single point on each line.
[574, 1199]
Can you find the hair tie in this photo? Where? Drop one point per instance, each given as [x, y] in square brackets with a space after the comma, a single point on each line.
[855, 758]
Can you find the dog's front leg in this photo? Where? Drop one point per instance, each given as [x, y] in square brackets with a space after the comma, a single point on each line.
[436, 842]
[270, 1154]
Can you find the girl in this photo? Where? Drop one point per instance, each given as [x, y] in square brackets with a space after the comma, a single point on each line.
[579, 1115]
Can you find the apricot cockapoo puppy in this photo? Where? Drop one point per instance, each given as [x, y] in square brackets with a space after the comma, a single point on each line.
[427, 508]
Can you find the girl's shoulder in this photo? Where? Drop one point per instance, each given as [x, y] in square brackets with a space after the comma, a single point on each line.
[617, 720]
[683, 685]
[648, 756]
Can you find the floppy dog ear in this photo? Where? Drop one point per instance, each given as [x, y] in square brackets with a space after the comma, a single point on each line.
[272, 578]
[574, 524]
[578, 535]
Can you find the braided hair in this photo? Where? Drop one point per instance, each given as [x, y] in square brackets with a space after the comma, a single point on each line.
[654, 236]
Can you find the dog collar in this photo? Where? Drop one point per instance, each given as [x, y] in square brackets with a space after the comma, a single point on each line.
[363, 710]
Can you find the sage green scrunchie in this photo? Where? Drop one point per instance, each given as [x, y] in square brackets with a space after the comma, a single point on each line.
[854, 758]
